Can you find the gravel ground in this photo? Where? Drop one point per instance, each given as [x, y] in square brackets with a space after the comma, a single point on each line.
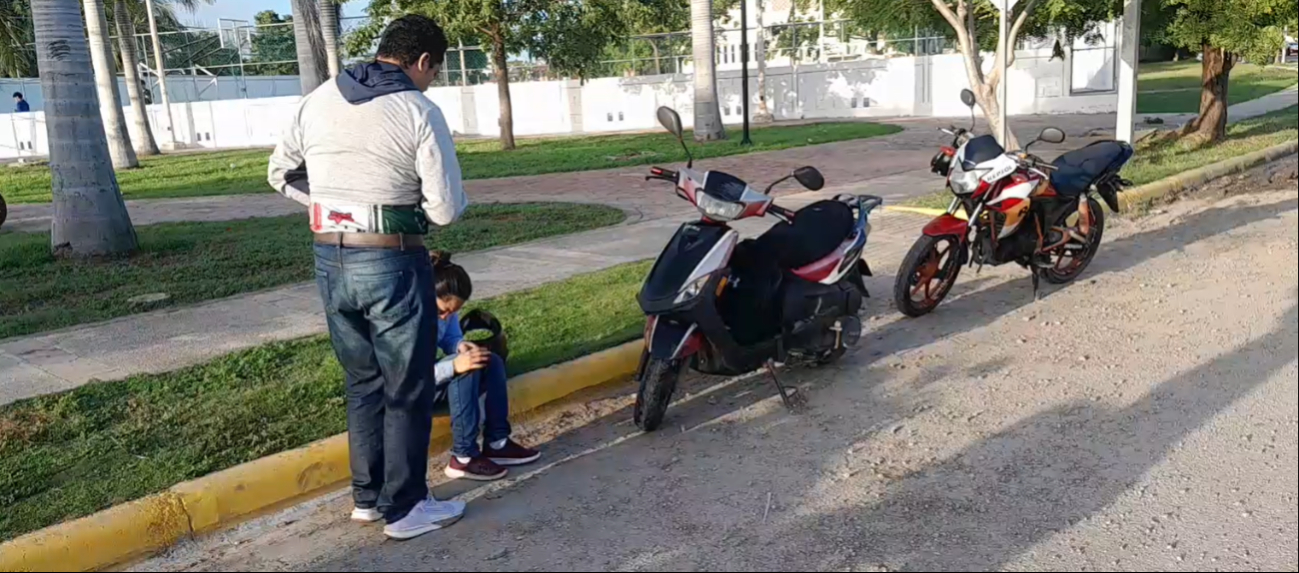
[1141, 419]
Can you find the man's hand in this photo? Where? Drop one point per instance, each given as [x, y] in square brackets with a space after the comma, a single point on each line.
[475, 359]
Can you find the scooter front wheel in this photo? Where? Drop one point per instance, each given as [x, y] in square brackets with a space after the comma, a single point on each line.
[657, 383]
[928, 274]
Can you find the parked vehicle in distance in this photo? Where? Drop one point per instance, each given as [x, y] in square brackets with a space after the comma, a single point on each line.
[1017, 209]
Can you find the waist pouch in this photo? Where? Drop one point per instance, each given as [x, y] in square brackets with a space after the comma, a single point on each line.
[336, 217]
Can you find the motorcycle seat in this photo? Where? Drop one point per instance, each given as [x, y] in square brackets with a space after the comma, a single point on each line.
[1079, 169]
[817, 231]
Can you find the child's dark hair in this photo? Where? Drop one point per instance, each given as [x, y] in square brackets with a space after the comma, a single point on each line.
[451, 279]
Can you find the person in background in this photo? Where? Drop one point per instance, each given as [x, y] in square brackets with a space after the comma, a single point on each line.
[373, 160]
[470, 371]
[20, 104]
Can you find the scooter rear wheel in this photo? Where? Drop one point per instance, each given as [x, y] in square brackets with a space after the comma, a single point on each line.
[927, 275]
[657, 383]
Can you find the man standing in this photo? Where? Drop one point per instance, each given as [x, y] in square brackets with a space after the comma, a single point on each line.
[20, 104]
[382, 166]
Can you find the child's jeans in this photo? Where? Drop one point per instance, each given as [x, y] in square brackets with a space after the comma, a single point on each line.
[466, 416]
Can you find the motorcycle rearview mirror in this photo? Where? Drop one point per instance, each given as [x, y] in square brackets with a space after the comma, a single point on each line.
[810, 178]
[671, 121]
[1049, 135]
[967, 98]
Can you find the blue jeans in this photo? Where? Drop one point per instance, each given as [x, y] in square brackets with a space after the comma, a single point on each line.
[462, 400]
[382, 315]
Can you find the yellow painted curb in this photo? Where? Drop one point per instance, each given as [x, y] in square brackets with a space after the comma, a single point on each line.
[924, 211]
[1144, 194]
[115, 535]
[220, 500]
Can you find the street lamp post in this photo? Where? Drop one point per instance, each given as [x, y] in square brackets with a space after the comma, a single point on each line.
[744, 68]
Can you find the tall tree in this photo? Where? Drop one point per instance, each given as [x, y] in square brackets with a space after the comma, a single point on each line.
[16, 58]
[110, 102]
[90, 217]
[569, 35]
[273, 51]
[969, 19]
[310, 45]
[329, 34]
[1225, 31]
[145, 144]
[708, 115]
[763, 113]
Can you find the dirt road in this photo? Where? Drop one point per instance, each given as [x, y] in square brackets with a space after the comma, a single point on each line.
[1141, 419]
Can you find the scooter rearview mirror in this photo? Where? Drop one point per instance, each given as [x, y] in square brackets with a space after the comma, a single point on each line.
[810, 178]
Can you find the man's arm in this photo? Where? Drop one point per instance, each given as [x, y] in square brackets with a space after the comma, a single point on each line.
[439, 170]
[287, 173]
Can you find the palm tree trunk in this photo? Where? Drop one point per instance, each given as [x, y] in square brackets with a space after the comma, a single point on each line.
[708, 116]
[501, 63]
[110, 102]
[146, 145]
[161, 60]
[89, 215]
[763, 113]
[329, 33]
[310, 44]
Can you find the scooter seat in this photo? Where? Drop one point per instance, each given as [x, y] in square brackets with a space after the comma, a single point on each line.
[817, 230]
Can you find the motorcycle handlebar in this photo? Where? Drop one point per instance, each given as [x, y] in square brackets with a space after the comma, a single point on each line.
[663, 175]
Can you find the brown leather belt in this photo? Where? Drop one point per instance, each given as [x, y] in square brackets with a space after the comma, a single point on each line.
[370, 240]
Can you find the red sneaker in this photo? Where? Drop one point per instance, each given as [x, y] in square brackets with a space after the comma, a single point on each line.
[478, 469]
[511, 454]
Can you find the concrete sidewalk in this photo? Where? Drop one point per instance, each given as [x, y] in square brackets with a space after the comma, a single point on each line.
[170, 339]
[1237, 112]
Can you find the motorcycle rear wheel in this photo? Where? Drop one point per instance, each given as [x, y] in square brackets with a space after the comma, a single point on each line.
[929, 272]
[1067, 269]
[657, 383]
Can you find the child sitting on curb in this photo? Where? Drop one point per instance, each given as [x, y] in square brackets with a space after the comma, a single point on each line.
[467, 372]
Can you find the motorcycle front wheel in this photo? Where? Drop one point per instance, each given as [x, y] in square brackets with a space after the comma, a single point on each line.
[928, 274]
[657, 383]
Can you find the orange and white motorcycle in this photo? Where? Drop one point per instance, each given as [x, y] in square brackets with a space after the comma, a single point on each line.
[1017, 209]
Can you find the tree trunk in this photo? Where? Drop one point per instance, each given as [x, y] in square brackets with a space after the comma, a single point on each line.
[89, 215]
[310, 44]
[501, 64]
[658, 64]
[329, 34]
[145, 144]
[708, 116]
[763, 113]
[1211, 125]
[110, 102]
[160, 59]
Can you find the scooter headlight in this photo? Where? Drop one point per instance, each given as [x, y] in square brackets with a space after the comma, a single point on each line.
[717, 209]
[693, 289]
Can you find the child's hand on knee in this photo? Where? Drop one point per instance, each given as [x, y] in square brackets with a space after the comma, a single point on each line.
[474, 359]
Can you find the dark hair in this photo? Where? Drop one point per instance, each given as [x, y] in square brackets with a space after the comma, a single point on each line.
[18, 94]
[411, 36]
[450, 278]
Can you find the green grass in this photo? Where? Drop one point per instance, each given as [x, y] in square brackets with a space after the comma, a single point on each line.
[1248, 82]
[195, 262]
[68, 455]
[241, 172]
[1160, 159]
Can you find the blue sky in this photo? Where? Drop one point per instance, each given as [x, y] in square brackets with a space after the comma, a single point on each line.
[207, 15]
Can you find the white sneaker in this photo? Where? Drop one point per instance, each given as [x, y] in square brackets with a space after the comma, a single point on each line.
[428, 516]
[366, 515]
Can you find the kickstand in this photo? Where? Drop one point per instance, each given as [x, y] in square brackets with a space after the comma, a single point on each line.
[790, 396]
[1037, 284]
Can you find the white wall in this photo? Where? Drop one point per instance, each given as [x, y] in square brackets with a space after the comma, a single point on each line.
[925, 86]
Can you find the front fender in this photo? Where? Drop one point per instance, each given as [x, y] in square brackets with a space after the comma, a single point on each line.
[946, 226]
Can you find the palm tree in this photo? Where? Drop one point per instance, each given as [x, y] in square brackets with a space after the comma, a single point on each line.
[310, 45]
[146, 144]
[329, 33]
[16, 59]
[89, 215]
[708, 116]
[110, 102]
